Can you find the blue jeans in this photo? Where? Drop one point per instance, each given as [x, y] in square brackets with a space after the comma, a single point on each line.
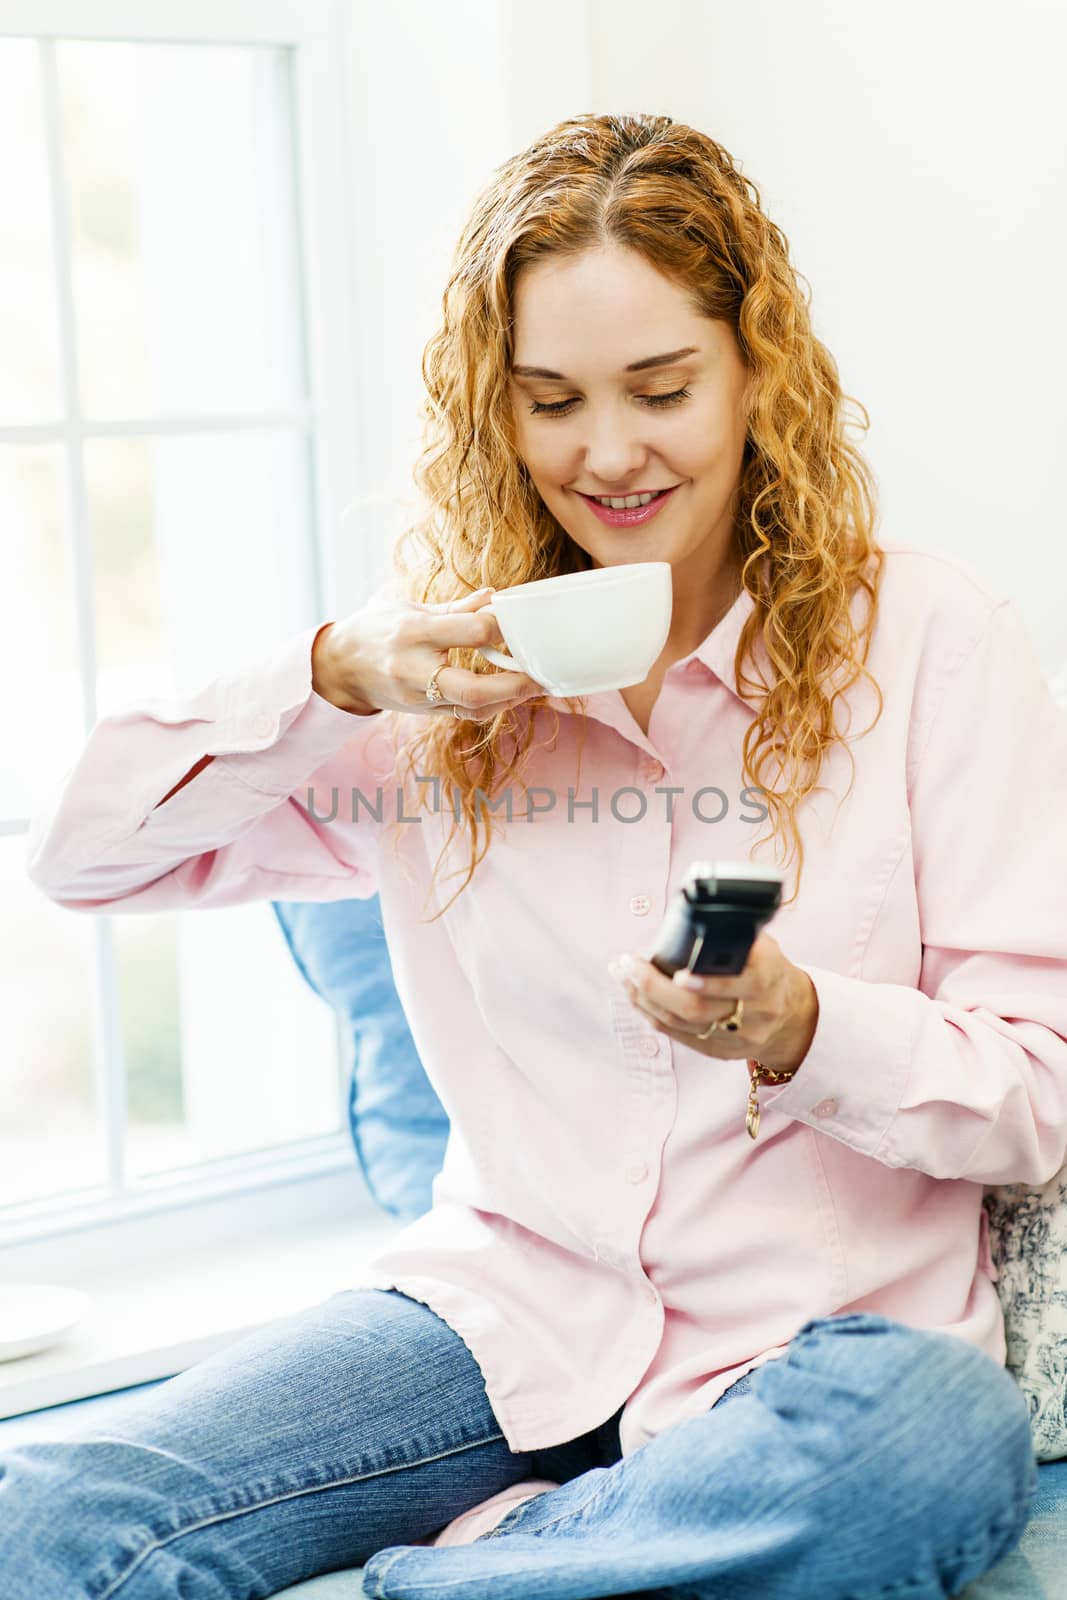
[870, 1460]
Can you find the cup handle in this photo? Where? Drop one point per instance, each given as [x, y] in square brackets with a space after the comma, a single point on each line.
[498, 658]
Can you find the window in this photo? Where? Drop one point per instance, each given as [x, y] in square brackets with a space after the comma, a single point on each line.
[171, 421]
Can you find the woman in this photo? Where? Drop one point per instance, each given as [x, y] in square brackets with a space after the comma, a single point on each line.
[643, 1349]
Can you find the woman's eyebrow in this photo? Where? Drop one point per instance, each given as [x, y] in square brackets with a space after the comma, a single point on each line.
[635, 366]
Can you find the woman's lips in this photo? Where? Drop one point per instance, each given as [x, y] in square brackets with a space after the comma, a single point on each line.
[629, 516]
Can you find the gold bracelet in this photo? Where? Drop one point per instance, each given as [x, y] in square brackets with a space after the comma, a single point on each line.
[758, 1074]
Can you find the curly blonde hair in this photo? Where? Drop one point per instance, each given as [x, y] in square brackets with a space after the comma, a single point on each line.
[806, 504]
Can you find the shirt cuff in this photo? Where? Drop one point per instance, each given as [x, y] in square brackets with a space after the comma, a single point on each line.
[852, 1080]
[275, 727]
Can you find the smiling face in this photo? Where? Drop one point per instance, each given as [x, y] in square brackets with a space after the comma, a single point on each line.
[676, 425]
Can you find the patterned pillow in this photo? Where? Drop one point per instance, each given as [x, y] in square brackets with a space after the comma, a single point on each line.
[1028, 1243]
[1028, 1240]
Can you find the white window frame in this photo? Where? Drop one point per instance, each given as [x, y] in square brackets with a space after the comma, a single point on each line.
[315, 31]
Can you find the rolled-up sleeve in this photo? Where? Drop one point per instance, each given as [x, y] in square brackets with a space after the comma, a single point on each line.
[262, 820]
[965, 1075]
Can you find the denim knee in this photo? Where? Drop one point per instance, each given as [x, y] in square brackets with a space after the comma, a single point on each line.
[932, 1409]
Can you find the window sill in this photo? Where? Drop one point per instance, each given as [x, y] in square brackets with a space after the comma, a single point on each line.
[151, 1318]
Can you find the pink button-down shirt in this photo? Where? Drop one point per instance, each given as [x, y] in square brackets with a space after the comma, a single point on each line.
[603, 1231]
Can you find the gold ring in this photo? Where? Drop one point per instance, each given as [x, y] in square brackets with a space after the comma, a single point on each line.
[434, 692]
[729, 1024]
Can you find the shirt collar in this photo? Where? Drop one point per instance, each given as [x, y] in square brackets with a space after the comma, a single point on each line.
[718, 648]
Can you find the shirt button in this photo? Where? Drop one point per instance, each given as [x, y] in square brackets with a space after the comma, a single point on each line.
[654, 771]
[826, 1108]
[694, 666]
[640, 905]
[638, 1174]
[651, 1294]
[263, 726]
[649, 1045]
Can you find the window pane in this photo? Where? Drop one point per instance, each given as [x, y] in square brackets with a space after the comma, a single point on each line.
[39, 686]
[146, 964]
[29, 370]
[50, 1141]
[202, 553]
[227, 1049]
[183, 238]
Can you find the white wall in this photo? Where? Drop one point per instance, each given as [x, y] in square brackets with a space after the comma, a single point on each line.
[427, 123]
[914, 156]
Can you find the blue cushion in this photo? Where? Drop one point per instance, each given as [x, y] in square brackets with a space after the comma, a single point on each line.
[399, 1126]
[334, 1586]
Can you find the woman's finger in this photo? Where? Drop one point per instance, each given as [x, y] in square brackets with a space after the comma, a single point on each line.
[471, 714]
[485, 693]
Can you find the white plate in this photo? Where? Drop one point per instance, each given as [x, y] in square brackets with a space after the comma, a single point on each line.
[35, 1316]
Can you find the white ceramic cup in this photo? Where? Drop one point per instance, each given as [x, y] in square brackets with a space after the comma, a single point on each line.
[583, 632]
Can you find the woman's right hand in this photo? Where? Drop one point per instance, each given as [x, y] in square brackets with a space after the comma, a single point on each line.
[380, 659]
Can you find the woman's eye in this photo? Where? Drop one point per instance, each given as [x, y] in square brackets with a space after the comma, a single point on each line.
[561, 407]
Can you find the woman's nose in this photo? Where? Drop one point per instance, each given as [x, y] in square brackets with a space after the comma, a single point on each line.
[613, 454]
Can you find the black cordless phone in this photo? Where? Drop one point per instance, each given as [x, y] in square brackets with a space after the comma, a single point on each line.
[713, 921]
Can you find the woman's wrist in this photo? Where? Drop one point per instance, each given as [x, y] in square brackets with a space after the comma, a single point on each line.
[788, 1052]
[324, 677]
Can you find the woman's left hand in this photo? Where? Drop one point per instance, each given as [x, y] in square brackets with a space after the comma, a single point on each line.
[780, 1013]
